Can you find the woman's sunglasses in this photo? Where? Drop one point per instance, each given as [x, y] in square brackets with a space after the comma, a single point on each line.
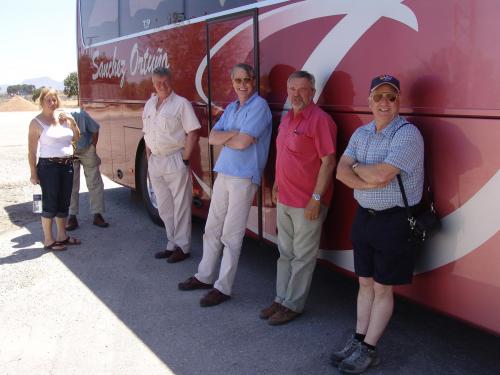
[389, 96]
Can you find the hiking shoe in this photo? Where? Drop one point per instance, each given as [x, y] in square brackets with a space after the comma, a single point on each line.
[72, 223]
[270, 311]
[350, 346]
[360, 360]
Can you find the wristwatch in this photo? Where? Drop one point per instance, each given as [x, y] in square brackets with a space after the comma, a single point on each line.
[316, 197]
[185, 161]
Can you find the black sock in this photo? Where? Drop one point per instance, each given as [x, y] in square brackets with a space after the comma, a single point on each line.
[359, 336]
[368, 345]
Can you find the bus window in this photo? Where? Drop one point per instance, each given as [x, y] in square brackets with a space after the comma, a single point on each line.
[198, 8]
[140, 15]
[99, 20]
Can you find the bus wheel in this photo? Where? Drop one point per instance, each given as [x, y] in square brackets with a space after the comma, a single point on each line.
[147, 193]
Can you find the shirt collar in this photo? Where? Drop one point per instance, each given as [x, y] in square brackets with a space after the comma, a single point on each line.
[389, 130]
[250, 99]
[305, 113]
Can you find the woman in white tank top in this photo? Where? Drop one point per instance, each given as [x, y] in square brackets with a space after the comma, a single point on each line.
[53, 140]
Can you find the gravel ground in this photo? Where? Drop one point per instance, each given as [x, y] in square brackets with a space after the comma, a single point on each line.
[15, 186]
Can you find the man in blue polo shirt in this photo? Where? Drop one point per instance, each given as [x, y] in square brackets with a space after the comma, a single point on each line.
[383, 256]
[244, 131]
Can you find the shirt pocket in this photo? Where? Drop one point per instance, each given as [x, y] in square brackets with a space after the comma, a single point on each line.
[168, 122]
[299, 143]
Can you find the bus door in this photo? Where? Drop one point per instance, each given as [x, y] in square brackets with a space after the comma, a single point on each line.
[231, 40]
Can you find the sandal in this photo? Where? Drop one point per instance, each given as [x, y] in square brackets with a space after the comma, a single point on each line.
[69, 241]
[55, 246]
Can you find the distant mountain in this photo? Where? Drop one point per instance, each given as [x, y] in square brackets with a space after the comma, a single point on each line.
[44, 81]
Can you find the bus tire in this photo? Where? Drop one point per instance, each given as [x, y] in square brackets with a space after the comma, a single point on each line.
[147, 193]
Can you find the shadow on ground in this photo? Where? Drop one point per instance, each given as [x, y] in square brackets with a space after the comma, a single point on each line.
[118, 266]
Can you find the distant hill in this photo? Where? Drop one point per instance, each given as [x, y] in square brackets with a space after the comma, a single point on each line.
[44, 81]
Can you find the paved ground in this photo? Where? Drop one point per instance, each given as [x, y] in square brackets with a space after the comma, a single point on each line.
[109, 307]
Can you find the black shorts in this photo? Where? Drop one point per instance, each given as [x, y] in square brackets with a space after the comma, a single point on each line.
[381, 247]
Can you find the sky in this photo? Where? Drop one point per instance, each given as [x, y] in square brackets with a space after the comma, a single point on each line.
[37, 39]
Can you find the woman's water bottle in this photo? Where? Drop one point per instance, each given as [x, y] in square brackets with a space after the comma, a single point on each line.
[37, 199]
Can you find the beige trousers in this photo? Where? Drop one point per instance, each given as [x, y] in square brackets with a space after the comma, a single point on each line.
[225, 228]
[90, 162]
[171, 181]
[298, 244]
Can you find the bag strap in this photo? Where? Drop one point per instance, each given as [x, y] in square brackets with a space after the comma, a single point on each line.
[411, 217]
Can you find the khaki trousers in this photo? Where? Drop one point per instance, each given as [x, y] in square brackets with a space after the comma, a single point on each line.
[298, 244]
[224, 231]
[171, 181]
[90, 162]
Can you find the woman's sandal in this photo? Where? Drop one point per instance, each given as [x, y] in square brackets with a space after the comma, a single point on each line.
[55, 246]
[70, 241]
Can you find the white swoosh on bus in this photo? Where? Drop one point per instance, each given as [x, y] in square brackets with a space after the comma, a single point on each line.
[464, 230]
[360, 15]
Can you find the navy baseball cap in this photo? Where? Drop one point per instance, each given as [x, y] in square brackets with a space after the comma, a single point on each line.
[384, 79]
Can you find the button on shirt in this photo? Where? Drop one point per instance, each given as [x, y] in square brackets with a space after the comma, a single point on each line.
[302, 141]
[252, 118]
[400, 144]
[165, 129]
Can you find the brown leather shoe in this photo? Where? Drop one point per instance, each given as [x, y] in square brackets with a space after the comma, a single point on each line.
[270, 311]
[177, 256]
[214, 297]
[193, 283]
[163, 254]
[282, 316]
[99, 221]
[72, 223]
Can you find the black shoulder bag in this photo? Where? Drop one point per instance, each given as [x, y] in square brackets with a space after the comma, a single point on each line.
[425, 222]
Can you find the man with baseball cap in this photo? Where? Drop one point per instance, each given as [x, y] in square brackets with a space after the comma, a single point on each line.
[377, 152]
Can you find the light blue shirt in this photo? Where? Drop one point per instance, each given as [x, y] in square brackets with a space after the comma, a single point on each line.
[399, 144]
[252, 118]
[88, 126]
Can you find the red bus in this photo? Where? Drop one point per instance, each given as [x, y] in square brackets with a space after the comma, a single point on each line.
[444, 53]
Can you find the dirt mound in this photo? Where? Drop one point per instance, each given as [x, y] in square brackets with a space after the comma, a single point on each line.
[18, 104]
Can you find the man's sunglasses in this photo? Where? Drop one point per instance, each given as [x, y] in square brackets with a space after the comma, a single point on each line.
[389, 96]
[239, 81]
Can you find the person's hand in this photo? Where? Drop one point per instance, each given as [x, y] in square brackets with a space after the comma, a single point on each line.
[274, 194]
[34, 179]
[63, 117]
[312, 209]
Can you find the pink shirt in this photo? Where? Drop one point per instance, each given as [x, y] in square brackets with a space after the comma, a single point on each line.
[301, 143]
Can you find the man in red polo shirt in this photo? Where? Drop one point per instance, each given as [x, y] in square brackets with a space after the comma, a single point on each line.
[302, 190]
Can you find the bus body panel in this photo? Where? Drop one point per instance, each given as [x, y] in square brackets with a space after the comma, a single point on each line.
[444, 54]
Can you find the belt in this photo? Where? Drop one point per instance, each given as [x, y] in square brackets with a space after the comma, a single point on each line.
[382, 212]
[68, 160]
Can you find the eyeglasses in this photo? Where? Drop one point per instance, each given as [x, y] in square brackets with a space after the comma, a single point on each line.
[389, 96]
[239, 81]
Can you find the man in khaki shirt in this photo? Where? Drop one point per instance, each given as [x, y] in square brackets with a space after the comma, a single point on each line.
[170, 132]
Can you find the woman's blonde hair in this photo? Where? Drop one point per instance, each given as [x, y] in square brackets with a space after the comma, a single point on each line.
[49, 91]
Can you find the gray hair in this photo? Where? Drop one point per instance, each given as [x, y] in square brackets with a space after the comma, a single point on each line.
[247, 68]
[163, 72]
[302, 74]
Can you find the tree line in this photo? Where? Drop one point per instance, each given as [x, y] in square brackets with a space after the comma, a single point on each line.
[70, 88]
